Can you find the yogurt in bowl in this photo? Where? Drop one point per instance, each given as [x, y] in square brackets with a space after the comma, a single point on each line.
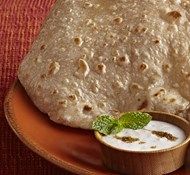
[157, 135]
[158, 148]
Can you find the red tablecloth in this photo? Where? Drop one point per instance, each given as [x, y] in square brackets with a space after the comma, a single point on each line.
[20, 22]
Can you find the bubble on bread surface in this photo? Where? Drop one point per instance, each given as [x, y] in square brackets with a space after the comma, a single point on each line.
[101, 68]
[123, 60]
[173, 16]
[166, 67]
[105, 44]
[63, 103]
[79, 92]
[160, 92]
[140, 29]
[135, 87]
[38, 59]
[83, 68]
[185, 3]
[95, 86]
[55, 91]
[54, 68]
[43, 76]
[88, 4]
[89, 22]
[78, 41]
[143, 66]
[118, 84]
[72, 97]
[172, 100]
[42, 47]
[62, 49]
[118, 20]
[157, 41]
[101, 58]
[87, 108]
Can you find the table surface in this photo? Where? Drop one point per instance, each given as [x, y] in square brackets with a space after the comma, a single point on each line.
[20, 22]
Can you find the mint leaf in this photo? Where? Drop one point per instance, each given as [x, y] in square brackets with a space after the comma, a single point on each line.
[118, 128]
[104, 124]
[134, 120]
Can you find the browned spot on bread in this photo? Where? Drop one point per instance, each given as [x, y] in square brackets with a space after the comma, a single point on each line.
[63, 103]
[166, 67]
[55, 91]
[172, 100]
[53, 68]
[143, 66]
[78, 41]
[140, 30]
[42, 47]
[43, 76]
[101, 68]
[87, 108]
[143, 105]
[122, 59]
[135, 87]
[174, 14]
[118, 20]
[156, 41]
[72, 97]
[159, 92]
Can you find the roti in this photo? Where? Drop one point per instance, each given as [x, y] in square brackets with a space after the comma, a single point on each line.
[98, 57]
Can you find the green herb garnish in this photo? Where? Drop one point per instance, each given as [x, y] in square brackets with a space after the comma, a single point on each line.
[106, 124]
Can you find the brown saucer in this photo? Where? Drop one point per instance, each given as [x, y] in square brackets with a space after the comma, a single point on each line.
[73, 149]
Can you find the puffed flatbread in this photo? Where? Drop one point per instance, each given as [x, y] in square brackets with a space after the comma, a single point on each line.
[97, 57]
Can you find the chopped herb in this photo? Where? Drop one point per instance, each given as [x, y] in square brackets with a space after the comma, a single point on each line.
[167, 135]
[128, 139]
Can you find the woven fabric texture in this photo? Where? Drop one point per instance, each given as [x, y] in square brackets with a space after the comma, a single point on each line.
[20, 22]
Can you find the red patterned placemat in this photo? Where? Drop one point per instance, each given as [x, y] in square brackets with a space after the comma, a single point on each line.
[20, 22]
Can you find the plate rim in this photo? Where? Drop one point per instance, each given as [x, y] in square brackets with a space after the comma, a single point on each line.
[9, 115]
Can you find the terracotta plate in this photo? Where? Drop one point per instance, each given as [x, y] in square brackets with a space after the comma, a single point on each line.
[73, 149]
